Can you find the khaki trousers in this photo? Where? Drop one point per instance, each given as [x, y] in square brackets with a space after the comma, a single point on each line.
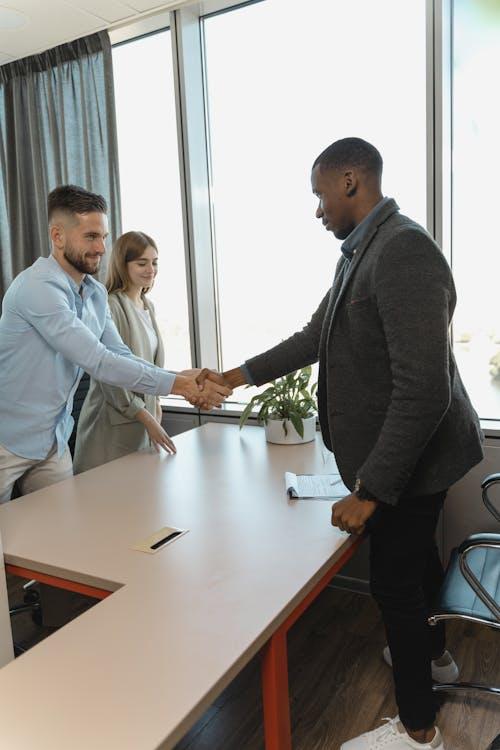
[32, 474]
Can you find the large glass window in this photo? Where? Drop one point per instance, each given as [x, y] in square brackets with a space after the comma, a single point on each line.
[282, 84]
[476, 197]
[149, 177]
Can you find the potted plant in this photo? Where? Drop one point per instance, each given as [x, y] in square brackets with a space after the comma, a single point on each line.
[287, 408]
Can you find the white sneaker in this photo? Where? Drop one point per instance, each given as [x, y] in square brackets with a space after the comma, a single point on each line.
[392, 735]
[443, 669]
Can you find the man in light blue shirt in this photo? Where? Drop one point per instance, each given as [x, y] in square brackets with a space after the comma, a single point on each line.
[55, 325]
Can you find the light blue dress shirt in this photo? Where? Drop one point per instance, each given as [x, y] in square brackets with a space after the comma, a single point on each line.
[50, 332]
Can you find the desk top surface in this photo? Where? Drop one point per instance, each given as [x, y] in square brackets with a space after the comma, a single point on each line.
[135, 671]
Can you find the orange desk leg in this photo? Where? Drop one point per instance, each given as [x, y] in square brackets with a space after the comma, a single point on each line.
[275, 698]
[277, 730]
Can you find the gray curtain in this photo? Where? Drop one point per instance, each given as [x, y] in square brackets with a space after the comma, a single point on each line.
[57, 126]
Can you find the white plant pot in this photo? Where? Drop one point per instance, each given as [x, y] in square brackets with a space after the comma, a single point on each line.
[276, 434]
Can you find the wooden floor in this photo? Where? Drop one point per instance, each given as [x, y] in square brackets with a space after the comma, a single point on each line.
[339, 684]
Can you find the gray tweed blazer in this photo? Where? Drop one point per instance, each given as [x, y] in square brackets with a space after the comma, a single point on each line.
[391, 404]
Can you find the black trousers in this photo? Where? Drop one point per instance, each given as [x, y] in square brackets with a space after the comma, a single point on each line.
[406, 575]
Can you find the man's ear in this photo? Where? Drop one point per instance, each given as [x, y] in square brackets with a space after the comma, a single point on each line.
[351, 183]
[57, 234]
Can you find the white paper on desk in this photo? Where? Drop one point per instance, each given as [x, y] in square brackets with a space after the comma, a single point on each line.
[315, 486]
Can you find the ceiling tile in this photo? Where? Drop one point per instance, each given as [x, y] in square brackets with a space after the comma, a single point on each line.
[53, 22]
[109, 10]
[41, 32]
[142, 5]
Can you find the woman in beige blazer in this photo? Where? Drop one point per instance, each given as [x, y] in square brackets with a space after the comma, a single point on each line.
[114, 422]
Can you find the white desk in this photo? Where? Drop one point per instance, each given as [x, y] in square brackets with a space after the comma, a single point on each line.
[138, 669]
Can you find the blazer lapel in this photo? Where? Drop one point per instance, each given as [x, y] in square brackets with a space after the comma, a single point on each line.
[390, 208]
[136, 337]
[334, 293]
[160, 351]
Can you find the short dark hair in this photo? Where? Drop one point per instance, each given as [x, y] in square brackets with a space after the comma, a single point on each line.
[351, 152]
[72, 199]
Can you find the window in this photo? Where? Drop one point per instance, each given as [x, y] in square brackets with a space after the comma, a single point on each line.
[149, 177]
[296, 82]
[476, 164]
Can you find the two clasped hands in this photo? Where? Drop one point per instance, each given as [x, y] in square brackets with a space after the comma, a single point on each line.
[206, 388]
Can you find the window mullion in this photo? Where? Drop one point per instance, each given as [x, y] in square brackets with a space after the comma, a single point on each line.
[194, 159]
[439, 122]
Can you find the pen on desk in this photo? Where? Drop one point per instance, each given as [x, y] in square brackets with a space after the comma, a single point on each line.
[335, 482]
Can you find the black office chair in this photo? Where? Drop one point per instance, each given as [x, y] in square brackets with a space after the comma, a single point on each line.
[31, 604]
[471, 589]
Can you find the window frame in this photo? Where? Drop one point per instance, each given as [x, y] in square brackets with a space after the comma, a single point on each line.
[194, 159]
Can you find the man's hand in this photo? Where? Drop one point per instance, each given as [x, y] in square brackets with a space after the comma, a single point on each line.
[206, 396]
[351, 513]
[207, 374]
[230, 378]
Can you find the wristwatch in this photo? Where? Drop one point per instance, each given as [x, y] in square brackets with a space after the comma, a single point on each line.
[361, 491]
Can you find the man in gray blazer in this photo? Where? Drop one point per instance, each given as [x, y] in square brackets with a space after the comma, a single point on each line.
[394, 411]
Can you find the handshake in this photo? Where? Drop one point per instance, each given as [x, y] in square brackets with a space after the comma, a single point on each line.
[206, 388]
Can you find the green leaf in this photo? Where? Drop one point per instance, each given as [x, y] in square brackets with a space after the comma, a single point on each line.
[297, 423]
[263, 413]
[246, 413]
[285, 396]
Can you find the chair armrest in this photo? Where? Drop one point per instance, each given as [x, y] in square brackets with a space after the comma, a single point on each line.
[488, 482]
[474, 542]
[479, 540]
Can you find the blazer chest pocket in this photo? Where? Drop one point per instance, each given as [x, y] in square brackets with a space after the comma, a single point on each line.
[364, 324]
[361, 304]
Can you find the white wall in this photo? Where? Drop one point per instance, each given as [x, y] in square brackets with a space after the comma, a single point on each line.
[464, 511]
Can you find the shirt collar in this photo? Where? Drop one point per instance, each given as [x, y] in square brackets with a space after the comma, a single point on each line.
[88, 283]
[349, 245]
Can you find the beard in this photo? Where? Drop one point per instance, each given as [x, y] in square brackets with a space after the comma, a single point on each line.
[80, 261]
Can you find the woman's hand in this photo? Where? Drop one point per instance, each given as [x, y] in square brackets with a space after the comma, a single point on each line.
[159, 411]
[157, 435]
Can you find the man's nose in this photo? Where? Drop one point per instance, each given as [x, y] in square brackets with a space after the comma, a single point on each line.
[101, 247]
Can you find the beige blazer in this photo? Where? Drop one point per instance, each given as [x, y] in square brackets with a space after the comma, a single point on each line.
[107, 428]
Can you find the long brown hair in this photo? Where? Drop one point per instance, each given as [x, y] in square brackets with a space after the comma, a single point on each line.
[129, 246]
